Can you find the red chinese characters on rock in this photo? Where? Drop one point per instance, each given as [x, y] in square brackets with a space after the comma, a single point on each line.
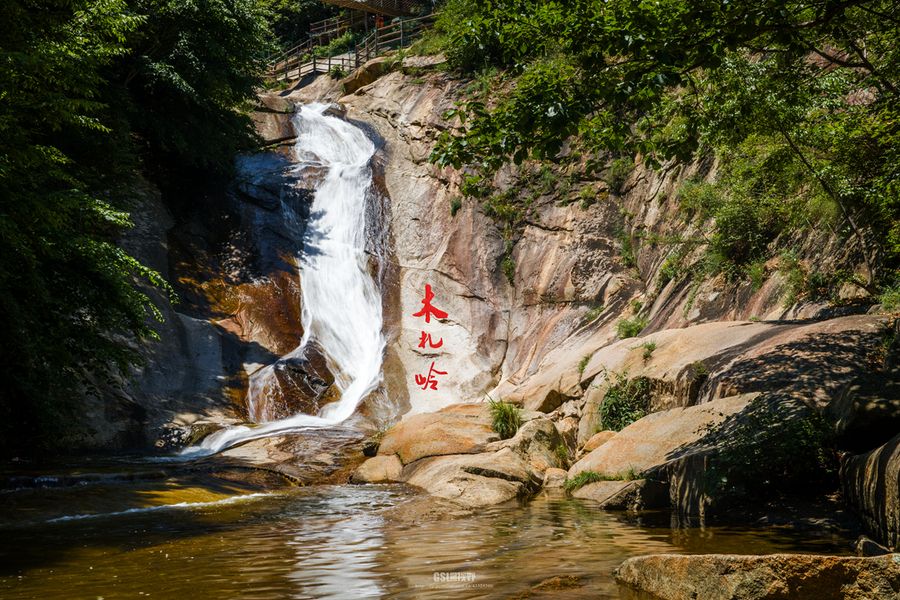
[429, 381]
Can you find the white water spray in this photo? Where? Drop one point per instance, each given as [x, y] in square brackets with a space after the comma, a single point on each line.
[341, 304]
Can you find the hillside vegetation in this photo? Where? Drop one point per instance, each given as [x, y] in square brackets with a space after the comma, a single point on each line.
[797, 102]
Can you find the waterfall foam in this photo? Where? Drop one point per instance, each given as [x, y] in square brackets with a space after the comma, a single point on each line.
[341, 304]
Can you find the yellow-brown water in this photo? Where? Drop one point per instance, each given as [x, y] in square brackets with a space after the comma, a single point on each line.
[200, 535]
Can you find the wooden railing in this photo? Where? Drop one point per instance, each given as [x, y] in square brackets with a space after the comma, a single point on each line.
[300, 61]
[391, 37]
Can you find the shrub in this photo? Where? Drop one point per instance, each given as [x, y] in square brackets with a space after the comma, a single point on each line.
[337, 72]
[627, 328]
[626, 401]
[698, 199]
[509, 268]
[455, 205]
[506, 418]
[562, 454]
[890, 298]
[766, 448]
[627, 251]
[757, 273]
[617, 172]
[648, 347]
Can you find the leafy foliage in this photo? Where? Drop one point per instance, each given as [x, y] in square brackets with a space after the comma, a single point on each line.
[92, 92]
[626, 400]
[627, 328]
[810, 88]
[506, 418]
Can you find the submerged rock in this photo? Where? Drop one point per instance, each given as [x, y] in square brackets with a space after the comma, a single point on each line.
[378, 469]
[635, 495]
[474, 480]
[737, 577]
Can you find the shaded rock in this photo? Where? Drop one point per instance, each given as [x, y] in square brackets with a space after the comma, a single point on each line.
[867, 547]
[867, 414]
[652, 441]
[474, 480]
[456, 429]
[315, 456]
[379, 469]
[538, 442]
[555, 478]
[635, 495]
[783, 576]
[871, 484]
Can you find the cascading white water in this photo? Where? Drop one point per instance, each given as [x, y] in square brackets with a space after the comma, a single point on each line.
[341, 304]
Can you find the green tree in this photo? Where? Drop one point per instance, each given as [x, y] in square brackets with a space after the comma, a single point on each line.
[672, 78]
[92, 93]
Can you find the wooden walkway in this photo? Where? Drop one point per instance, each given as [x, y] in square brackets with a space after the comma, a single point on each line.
[300, 62]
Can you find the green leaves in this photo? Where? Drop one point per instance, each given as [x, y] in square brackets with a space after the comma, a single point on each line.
[668, 79]
[92, 92]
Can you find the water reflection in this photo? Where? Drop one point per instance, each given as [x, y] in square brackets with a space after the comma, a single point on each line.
[341, 542]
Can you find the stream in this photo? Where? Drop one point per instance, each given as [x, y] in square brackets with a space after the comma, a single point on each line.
[128, 530]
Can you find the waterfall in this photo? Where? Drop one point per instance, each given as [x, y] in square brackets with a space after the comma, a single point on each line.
[341, 304]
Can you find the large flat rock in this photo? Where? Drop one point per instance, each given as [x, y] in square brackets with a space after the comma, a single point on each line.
[652, 441]
[456, 429]
[782, 576]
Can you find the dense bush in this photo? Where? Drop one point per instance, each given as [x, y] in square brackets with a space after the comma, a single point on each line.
[626, 400]
[627, 328]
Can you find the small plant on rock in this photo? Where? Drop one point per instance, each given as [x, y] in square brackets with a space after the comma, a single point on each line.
[649, 348]
[506, 418]
[583, 363]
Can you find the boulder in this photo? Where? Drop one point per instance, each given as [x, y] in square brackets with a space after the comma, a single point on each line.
[378, 469]
[782, 576]
[456, 429]
[367, 73]
[474, 480]
[635, 495]
[653, 440]
[538, 442]
[555, 478]
[871, 484]
[597, 440]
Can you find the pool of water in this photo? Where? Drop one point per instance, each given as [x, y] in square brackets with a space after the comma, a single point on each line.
[220, 535]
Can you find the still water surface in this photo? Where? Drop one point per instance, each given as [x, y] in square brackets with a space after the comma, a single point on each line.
[198, 535]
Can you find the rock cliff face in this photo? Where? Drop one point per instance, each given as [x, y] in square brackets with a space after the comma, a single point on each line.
[527, 340]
